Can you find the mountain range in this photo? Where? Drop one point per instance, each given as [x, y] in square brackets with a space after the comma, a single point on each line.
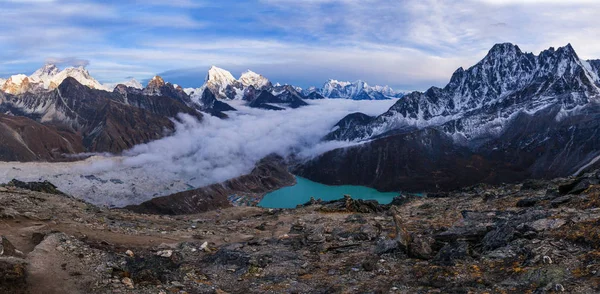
[76, 113]
[511, 116]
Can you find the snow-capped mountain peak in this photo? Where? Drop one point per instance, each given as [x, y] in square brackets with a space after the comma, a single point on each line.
[358, 90]
[45, 75]
[219, 76]
[250, 78]
[479, 101]
[156, 81]
[16, 84]
[131, 83]
[78, 73]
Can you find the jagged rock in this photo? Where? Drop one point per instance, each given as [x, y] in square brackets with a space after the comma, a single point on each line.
[386, 246]
[316, 235]
[352, 205]
[8, 249]
[577, 186]
[44, 186]
[402, 199]
[420, 247]
[403, 237]
[451, 252]
[546, 224]
[549, 275]
[560, 200]
[533, 184]
[528, 202]
[499, 237]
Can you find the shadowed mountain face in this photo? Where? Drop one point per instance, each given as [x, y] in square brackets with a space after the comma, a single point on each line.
[22, 139]
[103, 121]
[512, 116]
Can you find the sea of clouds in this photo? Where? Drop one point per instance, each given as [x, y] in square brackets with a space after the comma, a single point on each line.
[199, 153]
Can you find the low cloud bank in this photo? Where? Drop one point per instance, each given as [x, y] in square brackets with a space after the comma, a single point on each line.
[200, 153]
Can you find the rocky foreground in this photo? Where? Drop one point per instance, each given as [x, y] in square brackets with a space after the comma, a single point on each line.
[534, 237]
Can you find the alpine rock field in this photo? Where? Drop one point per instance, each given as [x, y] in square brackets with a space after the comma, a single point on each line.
[273, 146]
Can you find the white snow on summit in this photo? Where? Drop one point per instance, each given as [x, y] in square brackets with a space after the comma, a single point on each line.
[358, 90]
[49, 77]
[78, 73]
[16, 84]
[45, 75]
[250, 78]
[133, 83]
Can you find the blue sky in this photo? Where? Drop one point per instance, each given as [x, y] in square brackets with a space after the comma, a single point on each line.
[409, 45]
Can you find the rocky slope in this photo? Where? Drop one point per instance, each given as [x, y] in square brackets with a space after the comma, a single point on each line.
[534, 237]
[105, 121]
[512, 116]
[22, 139]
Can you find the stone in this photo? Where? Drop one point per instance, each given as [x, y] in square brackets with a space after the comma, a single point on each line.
[8, 249]
[129, 253]
[551, 274]
[499, 237]
[44, 186]
[37, 238]
[577, 186]
[420, 247]
[402, 235]
[165, 253]
[127, 282]
[528, 202]
[451, 252]
[13, 271]
[204, 247]
[560, 200]
[546, 224]
[386, 246]
[402, 199]
[8, 213]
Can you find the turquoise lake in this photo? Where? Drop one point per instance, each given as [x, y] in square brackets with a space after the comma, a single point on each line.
[300, 193]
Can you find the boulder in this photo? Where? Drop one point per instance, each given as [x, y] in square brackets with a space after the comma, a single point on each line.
[13, 274]
[451, 252]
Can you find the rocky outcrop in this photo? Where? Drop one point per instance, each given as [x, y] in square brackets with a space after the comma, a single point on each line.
[266, 100]
[209, 103]
[269, 174]
[158, 87]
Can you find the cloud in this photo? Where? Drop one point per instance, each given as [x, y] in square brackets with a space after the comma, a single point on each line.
[407, 44]
[68, 61]
[199, 153]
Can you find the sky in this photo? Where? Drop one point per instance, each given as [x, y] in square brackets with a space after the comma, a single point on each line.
[409, 45]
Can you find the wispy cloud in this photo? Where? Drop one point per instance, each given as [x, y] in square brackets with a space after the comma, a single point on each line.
[408, 44]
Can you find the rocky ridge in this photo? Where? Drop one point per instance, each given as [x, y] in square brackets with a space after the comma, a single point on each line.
[512, 116]
[536, 237]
